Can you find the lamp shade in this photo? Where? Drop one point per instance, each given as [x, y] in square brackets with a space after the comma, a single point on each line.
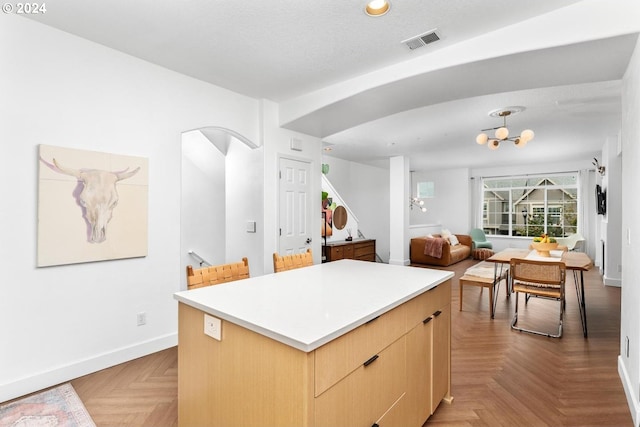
[527, 135]
[520, 142]
[502, 133]
[482, 138]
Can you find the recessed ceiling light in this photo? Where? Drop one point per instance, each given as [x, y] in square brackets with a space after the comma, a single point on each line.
[377, 7]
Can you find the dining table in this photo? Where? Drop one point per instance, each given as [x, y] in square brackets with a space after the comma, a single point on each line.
[577, 262]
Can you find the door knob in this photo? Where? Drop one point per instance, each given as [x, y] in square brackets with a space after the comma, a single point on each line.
[308, 240]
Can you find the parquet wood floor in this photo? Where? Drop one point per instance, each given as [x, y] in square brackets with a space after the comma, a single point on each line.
[499, 377]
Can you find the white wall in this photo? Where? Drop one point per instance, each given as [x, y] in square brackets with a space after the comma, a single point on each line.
[450, 205]
[244, 200]
[203, 204]
[277, 145]
[59, 323]
[629, 366]
[611, 226]
[365, 189]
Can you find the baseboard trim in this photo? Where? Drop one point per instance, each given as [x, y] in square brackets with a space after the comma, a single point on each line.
[79, 368]
[632, 399]
[612, 282]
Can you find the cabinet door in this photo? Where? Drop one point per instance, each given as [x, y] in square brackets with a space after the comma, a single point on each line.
[441, 359]
[366, 395]
[419, 341]
[396, 416]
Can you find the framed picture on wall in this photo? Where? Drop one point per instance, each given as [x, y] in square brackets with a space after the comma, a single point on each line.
[92, 206]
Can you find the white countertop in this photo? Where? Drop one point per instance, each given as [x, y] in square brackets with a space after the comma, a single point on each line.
[308, 307]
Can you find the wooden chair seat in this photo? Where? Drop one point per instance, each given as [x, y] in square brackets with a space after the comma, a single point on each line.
[541, 279]
[293, 261]
[216, 274]
[482, 275]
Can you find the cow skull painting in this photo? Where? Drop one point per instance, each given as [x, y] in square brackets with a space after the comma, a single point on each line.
[92, 206]
[96, 194]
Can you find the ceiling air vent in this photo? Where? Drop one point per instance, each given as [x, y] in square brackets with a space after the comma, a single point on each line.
[422, 40]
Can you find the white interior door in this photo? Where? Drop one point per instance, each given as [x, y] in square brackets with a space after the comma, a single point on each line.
[295, 206]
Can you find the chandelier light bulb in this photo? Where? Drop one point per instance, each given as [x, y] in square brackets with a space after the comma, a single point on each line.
[520, 142]
[482, 138]
[502, 133]
[527, 135]
[423, 209]
[494, 144]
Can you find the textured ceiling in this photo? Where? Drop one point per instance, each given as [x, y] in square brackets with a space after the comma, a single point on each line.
[289, 50]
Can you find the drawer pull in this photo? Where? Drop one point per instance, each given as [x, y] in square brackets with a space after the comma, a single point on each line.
[427, 320]
[370, 361]
[369, 321]
[437, 313]
[375, 425]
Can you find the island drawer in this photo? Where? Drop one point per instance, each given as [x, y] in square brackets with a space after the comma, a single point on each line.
[365, 395]
[425, 305]
[336, 359]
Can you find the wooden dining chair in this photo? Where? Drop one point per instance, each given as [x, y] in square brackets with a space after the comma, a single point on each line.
[544, 279]
[216, 274]
[293, 261]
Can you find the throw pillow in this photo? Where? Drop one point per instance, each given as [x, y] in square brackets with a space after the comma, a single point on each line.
[453, 240]
[445, 233]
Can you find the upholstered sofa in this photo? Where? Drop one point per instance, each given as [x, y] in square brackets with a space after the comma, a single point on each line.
[450, 253]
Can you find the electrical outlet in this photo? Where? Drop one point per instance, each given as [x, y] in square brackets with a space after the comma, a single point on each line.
[212, 327]
[142, 318]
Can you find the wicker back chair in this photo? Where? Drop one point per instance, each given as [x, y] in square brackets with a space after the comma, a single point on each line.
[216, 274]
[290, 262]
[541, 279]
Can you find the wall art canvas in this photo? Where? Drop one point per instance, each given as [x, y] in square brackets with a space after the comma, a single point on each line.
[92, 206]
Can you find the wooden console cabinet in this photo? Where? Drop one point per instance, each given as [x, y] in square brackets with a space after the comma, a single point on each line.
[393, 370]
[360, 249]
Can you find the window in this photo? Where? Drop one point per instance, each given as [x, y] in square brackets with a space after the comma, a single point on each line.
[530, 206]
[426, 190]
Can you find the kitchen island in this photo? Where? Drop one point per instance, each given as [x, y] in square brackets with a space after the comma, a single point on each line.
[348, 343]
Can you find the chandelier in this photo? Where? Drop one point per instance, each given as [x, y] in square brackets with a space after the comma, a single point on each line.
[417, 203]
[502, 132]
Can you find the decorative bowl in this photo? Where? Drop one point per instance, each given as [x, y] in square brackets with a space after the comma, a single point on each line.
[544, 248]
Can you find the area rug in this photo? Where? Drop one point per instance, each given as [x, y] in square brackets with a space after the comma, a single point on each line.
[59, 406]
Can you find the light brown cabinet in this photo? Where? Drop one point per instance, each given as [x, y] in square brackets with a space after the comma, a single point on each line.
[428, 354]
[392, 371]
[361, 249]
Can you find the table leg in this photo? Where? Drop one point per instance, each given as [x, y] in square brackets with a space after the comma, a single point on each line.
[579, 282]
[491, 304]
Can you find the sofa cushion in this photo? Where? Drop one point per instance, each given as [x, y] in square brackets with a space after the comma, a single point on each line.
[459, 252]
